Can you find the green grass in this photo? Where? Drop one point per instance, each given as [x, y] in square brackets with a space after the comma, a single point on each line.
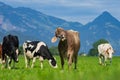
[87, 69]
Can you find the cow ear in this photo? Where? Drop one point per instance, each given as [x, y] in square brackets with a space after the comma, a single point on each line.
[54, 39]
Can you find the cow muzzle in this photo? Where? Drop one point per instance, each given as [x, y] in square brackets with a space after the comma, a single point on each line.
[53, 63]
[16, 60]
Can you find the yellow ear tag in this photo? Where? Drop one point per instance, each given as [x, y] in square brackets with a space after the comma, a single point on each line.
[54, 39]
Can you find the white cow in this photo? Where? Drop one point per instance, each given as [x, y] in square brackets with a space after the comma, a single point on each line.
[105, 52]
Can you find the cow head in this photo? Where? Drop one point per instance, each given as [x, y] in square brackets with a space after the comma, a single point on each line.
[110, 51]
[59, 33]
[53, 63]
[15, 55]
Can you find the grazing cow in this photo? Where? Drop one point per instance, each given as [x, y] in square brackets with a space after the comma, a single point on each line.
[105, 52]
[68, 46]
[0, 53]
[37, 49]
[10, 50]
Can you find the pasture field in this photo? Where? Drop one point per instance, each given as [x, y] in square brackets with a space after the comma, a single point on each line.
[87, 69]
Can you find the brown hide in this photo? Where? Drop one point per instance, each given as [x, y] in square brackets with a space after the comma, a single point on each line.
[68, 46]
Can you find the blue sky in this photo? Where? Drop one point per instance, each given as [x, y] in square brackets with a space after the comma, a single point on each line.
[82, 11]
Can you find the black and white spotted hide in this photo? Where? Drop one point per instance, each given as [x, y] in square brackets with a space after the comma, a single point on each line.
[37, 49]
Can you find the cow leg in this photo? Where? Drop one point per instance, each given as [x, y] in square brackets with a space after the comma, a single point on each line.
[100, 59]
[41, 62]
[13, 64]
[75, 61]
[26, 61]
[69, 55]
[104, 60]
[9, 63]
[70, 61]
[70, 58]
[3, 56]
[4, 62]
[34, 59]
[62, 60]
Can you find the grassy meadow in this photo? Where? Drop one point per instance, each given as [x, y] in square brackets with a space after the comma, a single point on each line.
[87, 69]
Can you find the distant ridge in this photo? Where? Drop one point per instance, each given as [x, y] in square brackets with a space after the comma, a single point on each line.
[29, 24]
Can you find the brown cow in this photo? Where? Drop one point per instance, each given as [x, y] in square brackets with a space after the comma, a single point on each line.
[68, 46]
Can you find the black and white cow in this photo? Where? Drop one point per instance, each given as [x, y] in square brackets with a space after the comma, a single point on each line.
[37, 49]
[10, 50]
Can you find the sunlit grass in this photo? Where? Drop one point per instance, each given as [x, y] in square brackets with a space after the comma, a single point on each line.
[87, 69]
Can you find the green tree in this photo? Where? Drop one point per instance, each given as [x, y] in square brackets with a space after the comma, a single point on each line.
[101, 41]
[54, 50]
[94, 50]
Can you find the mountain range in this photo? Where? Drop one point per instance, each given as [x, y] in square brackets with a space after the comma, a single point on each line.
[29, 24]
